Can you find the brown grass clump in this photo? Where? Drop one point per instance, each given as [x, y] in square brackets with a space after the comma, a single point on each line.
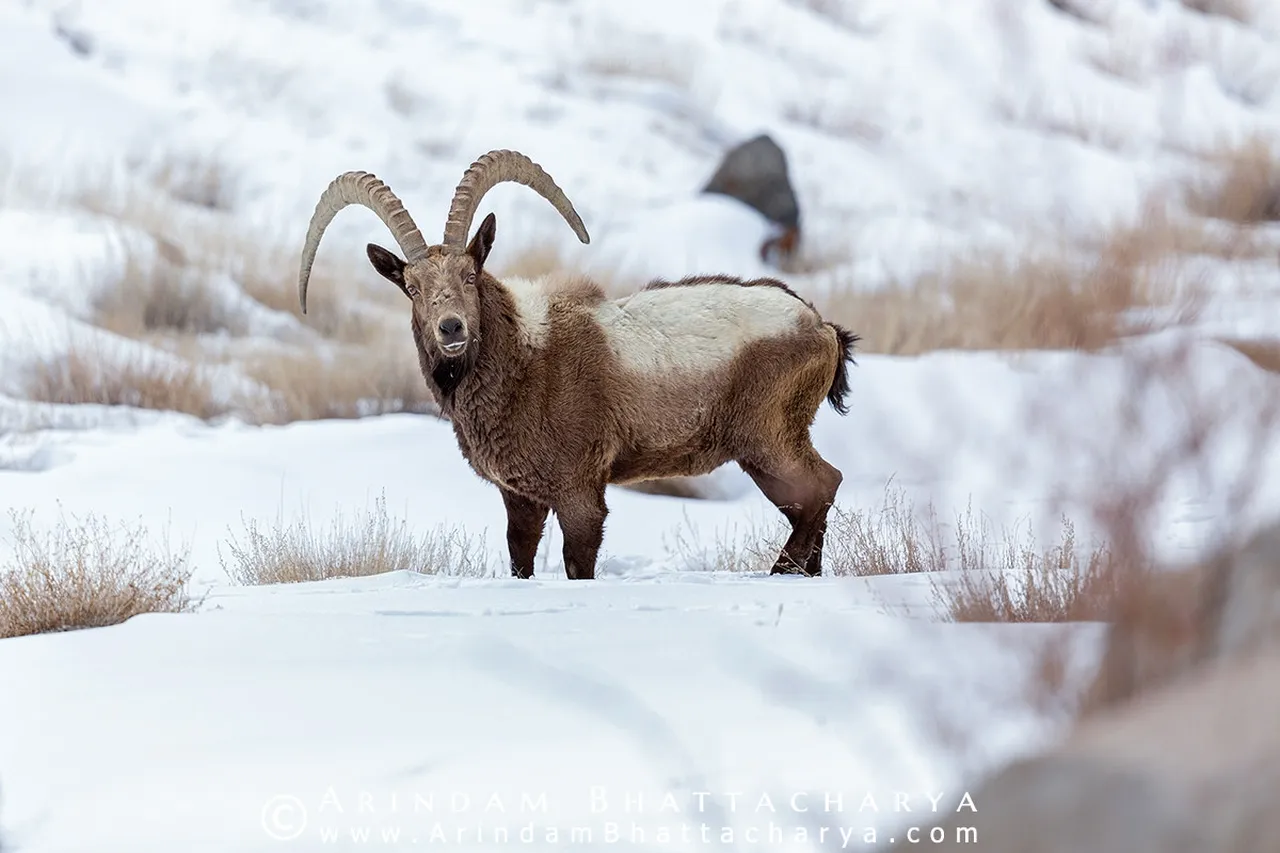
[82, 576]
[375, 545]
[752, 548]
[156, 295]
[1248, 189]
[1036, 301]
[346, 301]
[354, 382]
[981, 575]
[183, 261]
[1020, 583]
[889, 541]
[85, 376]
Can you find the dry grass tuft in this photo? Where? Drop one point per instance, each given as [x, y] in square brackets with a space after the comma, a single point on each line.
[348, 303]
[1047, 301]
[373, 545]
[532, 262]
[888, 541]
[752, 548]
[80, 575]
[1248, 190]
[354, 382]
[981, 575]
[339, 305]
[185, 266]
[1010, 580]
[155, 295]
[85, 376]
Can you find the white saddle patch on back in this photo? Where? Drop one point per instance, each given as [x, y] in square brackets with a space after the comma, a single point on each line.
[696, 328]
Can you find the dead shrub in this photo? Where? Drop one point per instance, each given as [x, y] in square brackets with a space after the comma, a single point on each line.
[179, 281]
[888, 541]
[82, 575]
[1247, 190]
[374, 545]
[752, 548]
[352, 382]
[339, 307]
[1052, 300]
[532, 262]
[84, 375]
[1010, 580]
[154, 295]
[196, 244]
[980, 574]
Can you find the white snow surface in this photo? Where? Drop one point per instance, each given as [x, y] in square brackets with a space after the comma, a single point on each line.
[914, 129]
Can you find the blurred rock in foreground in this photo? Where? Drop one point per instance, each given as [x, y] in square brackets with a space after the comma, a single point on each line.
[1178, 750]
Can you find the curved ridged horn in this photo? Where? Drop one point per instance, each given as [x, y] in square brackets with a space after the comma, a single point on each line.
[492, 169]
[364, 189]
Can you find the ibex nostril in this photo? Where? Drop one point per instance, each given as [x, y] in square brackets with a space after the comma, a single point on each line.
[450, 326]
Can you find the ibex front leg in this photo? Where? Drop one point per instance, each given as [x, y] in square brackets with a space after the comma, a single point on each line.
[525, 520]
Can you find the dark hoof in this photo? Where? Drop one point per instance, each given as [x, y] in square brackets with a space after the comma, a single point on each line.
[786, 567]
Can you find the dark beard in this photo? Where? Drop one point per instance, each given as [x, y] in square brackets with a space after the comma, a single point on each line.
[448, 374]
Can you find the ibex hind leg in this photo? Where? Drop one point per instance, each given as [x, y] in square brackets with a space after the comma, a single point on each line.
[802, 485]
[582, 523]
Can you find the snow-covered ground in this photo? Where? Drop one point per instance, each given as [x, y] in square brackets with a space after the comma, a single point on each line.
[916, 130]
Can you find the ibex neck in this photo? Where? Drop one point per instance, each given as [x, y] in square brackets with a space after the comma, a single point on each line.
[487, 387]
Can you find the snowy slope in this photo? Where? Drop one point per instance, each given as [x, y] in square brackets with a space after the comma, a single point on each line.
[319, 714]
[916, 130]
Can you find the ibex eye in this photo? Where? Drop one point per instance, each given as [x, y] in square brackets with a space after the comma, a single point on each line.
[413, 291]
[471, 279]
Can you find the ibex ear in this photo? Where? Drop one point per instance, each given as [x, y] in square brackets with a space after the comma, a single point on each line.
[387, 265]
[483, 241]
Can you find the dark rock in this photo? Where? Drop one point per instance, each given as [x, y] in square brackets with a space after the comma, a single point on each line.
[755, 173]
